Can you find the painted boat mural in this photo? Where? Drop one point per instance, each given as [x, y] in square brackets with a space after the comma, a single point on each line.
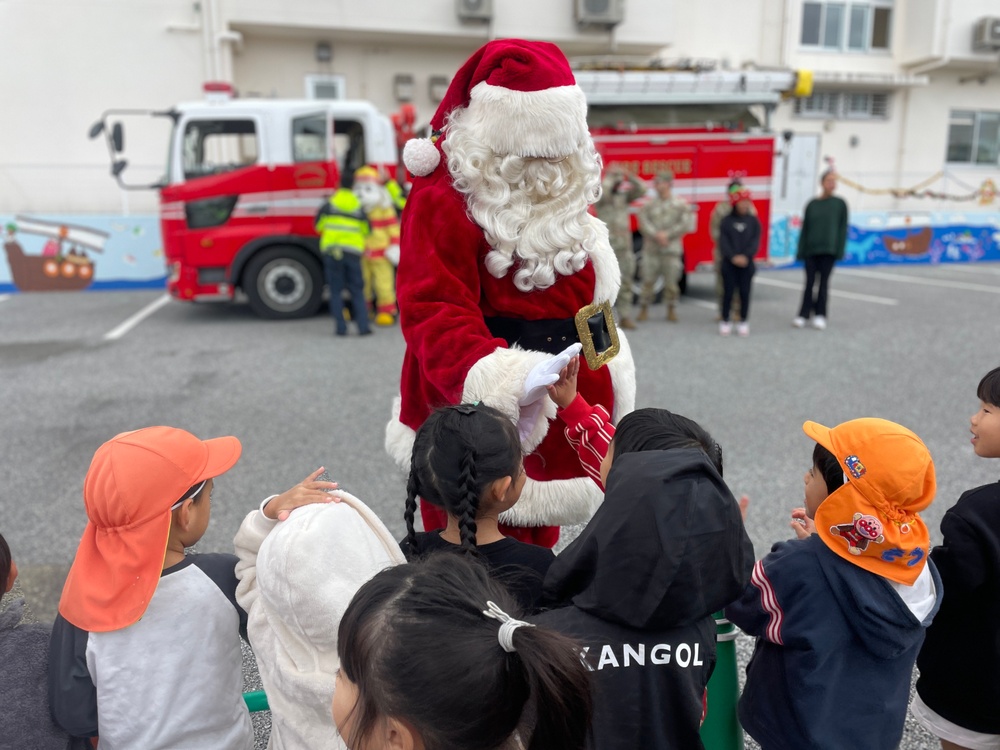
[64, 264]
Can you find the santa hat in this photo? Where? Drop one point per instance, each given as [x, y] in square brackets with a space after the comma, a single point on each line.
[522, 99]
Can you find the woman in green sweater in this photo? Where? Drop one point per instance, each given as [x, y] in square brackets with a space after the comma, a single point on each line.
[821, 244]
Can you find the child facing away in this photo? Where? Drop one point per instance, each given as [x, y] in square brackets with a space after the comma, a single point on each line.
[145, 650]
[840, 614]
[467, 460]
[302, 557]
[958, 691]
[25, 720]
[739, 242]
[638, 587]
[433, 655]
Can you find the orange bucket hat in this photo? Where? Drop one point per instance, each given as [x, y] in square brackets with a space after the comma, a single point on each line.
[133, 481]
[871, 520]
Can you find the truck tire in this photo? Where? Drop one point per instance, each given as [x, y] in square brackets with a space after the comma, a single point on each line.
[283, 282]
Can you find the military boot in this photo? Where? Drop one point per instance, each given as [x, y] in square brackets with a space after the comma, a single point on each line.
[671, 313]
[643, 314]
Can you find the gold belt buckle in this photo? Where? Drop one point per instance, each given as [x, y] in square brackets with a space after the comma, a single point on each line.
[596, 359]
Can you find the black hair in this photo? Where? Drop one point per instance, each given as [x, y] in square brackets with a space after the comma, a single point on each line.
[417, 645]
[457, 454]
[827, 464]
[989, 387]
[187, 494]
[6, 561]
[827, 173]
[661, 430]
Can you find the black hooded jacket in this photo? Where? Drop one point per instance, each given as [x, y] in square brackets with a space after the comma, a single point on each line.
[638, 588]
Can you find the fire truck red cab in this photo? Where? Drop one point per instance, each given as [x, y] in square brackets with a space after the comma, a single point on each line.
[245, 179]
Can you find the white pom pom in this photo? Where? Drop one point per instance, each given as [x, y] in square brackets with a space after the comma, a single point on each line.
[420, 156]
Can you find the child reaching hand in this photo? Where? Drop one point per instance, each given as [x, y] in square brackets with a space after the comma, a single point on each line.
[467, 460]
[302, 557]
[958, 692]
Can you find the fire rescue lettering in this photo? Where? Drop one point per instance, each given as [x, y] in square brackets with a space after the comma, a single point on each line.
[652, 167]
[684, 655]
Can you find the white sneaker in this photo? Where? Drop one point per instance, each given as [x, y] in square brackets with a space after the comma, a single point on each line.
[743, 329]
[819, 323]
[725, 328]
[799, 322]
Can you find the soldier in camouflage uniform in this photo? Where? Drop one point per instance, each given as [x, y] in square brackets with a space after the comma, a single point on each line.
[663, 222]
[618, 190]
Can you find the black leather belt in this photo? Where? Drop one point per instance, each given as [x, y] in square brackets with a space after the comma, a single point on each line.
[593, 323]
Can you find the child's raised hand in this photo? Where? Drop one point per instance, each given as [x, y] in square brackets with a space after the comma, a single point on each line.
[744, 506]
[801, 524]
[563, 391]
[306, 492]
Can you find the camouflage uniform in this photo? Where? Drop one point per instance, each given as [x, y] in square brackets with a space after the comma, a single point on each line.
[673, 216]
[618, 191]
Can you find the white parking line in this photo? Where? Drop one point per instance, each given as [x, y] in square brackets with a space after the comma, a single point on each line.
[758, 279]
[705, 303]
[4, 297]
[925, 282]
[132, 322]
[976, 268]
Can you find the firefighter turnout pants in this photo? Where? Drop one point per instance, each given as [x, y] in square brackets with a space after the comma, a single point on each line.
[380, 283]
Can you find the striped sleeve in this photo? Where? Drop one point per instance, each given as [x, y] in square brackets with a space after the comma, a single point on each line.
[762, 608]
[589, 431]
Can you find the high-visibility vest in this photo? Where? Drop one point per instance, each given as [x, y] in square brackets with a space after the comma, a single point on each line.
[397, 195]
[342, 225]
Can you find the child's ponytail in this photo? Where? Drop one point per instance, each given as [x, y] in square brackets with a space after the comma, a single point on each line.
[559, 688]
[411, 509]
[468, 502]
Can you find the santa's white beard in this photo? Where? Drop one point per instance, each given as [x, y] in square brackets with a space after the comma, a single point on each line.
[533, 211]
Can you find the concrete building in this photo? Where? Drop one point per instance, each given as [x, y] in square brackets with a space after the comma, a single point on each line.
[902, 96]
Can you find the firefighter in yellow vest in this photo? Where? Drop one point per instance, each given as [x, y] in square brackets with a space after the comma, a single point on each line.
[343, 228]
[379, 274]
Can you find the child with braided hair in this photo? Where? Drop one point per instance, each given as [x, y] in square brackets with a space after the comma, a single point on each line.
[467, 460]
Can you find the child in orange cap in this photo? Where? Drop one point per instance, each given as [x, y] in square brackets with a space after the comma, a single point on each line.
[146, 650]
[958, 693]
[840, 615]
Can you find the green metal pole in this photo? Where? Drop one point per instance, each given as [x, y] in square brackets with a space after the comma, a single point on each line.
[721, 729]
[256, 701]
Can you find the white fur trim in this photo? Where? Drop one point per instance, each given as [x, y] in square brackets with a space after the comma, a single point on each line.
[557, 502]
[622, 369]
[399, 438]
[497, 380]
[606, 270]
[550, 123]
[420, 156]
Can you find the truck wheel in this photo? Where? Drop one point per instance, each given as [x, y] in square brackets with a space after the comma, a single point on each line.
[284, 282]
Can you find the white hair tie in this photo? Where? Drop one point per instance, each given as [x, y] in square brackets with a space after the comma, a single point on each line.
[507, 627]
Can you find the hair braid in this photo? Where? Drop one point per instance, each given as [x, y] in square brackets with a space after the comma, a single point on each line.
[468, 505]
[410, 511]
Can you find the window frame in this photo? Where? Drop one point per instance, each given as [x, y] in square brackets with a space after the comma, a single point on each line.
[843, 43]
[201, 118]
[840, 109]
[974, 145]
[312, 80]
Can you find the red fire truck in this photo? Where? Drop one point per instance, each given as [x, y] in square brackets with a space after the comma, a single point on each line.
[707, 127]
[245, 178]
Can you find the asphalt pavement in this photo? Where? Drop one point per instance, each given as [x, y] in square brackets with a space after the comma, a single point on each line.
[907, 343]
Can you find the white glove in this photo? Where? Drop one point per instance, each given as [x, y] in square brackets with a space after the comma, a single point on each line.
[545, 373]
[392, 254]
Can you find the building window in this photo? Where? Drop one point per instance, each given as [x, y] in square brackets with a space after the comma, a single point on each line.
[324, 87]
[974, 137]
[846, 26]
[844, 105]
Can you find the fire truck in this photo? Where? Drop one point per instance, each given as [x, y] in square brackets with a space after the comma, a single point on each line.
[244, 181]
[706, 126]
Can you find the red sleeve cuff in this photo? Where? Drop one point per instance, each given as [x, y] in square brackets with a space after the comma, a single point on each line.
[576, 412]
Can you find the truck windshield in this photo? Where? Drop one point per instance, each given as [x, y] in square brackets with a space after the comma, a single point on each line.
[216, 146]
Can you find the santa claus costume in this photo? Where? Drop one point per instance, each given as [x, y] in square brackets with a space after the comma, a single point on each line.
[502, 267]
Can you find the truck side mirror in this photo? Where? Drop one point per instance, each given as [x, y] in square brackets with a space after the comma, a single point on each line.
[118, 167]
[118, 137]
[96, 129]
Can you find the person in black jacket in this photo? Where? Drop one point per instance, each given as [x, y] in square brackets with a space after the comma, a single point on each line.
[638, 587]
[739, 241]
[958, 692]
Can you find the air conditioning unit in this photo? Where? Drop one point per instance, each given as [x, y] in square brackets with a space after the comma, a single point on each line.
[474, 10]
[605, 13]
[986, 34]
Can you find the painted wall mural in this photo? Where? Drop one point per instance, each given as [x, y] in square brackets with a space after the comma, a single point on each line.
[72, 253]
[879, 238]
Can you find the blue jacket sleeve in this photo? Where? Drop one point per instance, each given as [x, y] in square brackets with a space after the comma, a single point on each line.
[72, 695]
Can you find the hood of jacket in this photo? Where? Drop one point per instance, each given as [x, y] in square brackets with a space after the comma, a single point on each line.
[880, 614]
[667, 547]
